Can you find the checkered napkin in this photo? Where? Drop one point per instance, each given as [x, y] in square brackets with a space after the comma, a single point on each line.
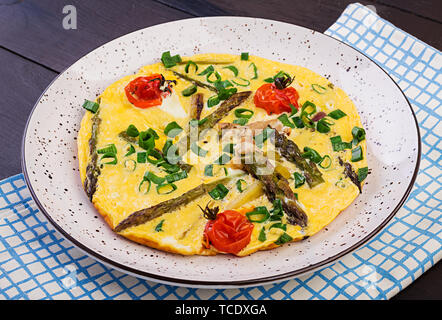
[37, 263]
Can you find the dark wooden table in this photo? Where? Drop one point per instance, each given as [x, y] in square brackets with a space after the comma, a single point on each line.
[35, 48]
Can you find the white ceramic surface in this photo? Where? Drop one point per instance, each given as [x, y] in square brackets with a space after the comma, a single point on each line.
[51, 168]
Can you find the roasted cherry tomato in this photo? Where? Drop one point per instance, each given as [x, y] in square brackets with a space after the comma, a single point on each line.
[230, 232]
[145, 92]
[274, 100]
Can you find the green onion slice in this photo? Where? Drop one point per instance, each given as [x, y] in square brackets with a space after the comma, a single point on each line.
[196, 149]
[255, 71]
[159, 226]
[312, 155]
[219, 192]
[212, 101]
[189, 91]
[358, 134]
[172, 129]
[153, 177]
[132, 131]
[298, 122]
[217, 75]
[262, 235]
[146, 139]
[109, 155]
[277, 211]
[279, 225]
[130, 164]
[108, 149]
[318, 88]
[130, 150]
[299, 179]
[286, 121]
[337, 114]
[142, 184]
[308, 108]
[233, 69]
[339, 145]
[356, 154]
[166, 188]
[245, 56]
[154, 157]
[258, 215]
[210, 69]
[245, 82]
[188, 64]
[241, 121]
[325, 162]
[362, 173]
[170, 61]
[323, 126]
[141, 157]
[241, 185]
[284, 238]
[244, 113]
[91, 106]
[176, 176]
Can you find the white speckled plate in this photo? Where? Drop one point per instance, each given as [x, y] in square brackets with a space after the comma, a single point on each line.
[51, 169]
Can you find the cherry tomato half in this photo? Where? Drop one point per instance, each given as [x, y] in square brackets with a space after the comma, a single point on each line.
[230, 232]
[145, 92]
[273, 100]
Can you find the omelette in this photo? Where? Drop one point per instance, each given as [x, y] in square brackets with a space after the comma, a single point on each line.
[221, 153]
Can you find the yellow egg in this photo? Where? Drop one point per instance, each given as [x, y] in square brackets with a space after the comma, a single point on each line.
[118, 193]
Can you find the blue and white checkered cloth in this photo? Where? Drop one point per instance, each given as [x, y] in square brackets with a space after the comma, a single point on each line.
[37, 263]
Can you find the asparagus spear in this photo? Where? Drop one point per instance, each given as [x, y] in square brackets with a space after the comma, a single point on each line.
[196, 105]
[275, 187]
[184, 166]
[349, 172]
[145, 215]
[212, 119]
[195, 82]
[92, 169]
[288, 149]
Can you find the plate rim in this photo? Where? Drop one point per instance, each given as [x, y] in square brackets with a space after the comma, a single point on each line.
[224, 283]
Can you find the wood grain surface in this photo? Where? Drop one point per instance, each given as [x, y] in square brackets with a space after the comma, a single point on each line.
[34, 48]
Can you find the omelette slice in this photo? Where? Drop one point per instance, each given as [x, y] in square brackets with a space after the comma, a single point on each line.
[220, 153]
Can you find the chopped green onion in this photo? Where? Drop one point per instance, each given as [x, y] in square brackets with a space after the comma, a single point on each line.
[263, 136]
[269, 80]
[356, 154]
[130, 164]
[130, 150]
[212, 101]
[255, 71]
[166, 188]
[91, 106]
[169, 168]
[141, 185]
[188, 64]
[210, 69]
[132, 131]
[245, 56]
[277, 211]
[240, 185]
[318, 89]
[170, 61]
[153, 177]
[312, 155]
[223, 159]
[244, 113]
[146, 139]
[108, 149]
[358, 135]
[172, 129]
[241, 121]
[109, 155]
[308, 108]
[328, 162]
[262, 235]
[298, 122]
[294, 110]
[362, 173]
[154, 157]
[337, 114]
[141, 157]
[246, 82]
[198, 150]
[339, 145]
[259, 214]
[189, 91]
[299, 179]
[323, 126]
[284, 238]
[176, 176]
[219, 192]
[159, 226]
[230, 148]
[279, 225]
[233, 69]
[208, 170]
[217, 75]
[285, 120]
